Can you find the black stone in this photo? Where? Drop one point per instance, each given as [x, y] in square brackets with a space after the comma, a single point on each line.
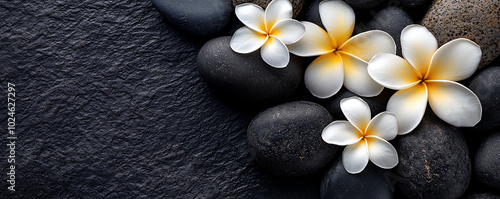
[372, 182]
[487, 162]
[433, 160]
[311, 13]
[196, 17]
[364, 4]
[286, 139]
[246, 76]
[413, 3]
[377, 104]
[486, 86]
[482, 196]
[391, 20]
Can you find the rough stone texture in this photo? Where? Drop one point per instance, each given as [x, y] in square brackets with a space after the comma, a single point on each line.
[477, 20]
[372, 182]
[286, 139]
[297, 4]
[487, 162]
[482, 196]
[110, 105]
[246, 77]
[196, 17]
[486, 86]
[433, 160]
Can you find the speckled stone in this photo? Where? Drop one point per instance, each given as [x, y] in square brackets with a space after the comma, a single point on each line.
[477, 20]
[434, 160]
[297, 4]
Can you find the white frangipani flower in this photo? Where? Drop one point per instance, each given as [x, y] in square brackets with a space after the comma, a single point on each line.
[429, 74]
[271, 29]
[343, 59]
[365, 139]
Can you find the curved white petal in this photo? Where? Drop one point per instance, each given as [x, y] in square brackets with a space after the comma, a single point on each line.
[245, 40]
[382, 153]
[367, 44]
[341, 133]
[392, 71]
[456, 60]
[338, 19]
[356, 111]
[355, 157]
[325, 75]
[409, 107]
[252, 16]
[288, 30]
[418, 45]
[276, 11]
[383, 125]
[275, 53]
[314, 42]
[454, 103]
[357, 79]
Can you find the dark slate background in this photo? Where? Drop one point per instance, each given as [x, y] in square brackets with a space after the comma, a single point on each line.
[109, 103]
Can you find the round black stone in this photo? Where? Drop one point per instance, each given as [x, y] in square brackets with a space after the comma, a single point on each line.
[487, 162]
[433, 160]
[413, 3]
[372, 182]
[486, 86]
[286, 139]
[196, 17]
[482, 196]
[246, 76]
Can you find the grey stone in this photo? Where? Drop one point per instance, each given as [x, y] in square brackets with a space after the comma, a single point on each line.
[286, 139]
[433, 160]
[486, 86]
[487, 162]
[246, 77]
[372, 182]
[196, 17]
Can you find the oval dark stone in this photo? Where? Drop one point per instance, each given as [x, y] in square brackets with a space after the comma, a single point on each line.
[486, 86]
[487, 162]
[286, 139]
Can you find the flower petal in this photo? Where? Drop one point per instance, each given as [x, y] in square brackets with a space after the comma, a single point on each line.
[325, 75]
[288, 30]
[355, 157]
[409, 107]
[252, 16]
[383, 125]
[245, 40]
[338, 19]
[367, 44]
[392, 71]
[456, 60]
[314, 42]
[356, 111]
[276, 11]
[275, 53]
[357, 79]
[418, 45]
[454, 103]
[382, 153]
[341, 133]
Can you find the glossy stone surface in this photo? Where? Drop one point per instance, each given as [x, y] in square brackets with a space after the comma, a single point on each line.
[246, 77]
[286, 139]
[477, 20]
[372, 182]
[434, 160]
[487, 162]
[486, 86]
[196, 17]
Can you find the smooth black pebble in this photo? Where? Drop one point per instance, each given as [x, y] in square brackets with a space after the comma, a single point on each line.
[286, 139]
[487, 162]
[486, 86]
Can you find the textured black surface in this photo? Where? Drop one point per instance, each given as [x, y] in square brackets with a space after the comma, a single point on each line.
[434, 160]
[110, 105]
[486, 86]
[286, 139]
